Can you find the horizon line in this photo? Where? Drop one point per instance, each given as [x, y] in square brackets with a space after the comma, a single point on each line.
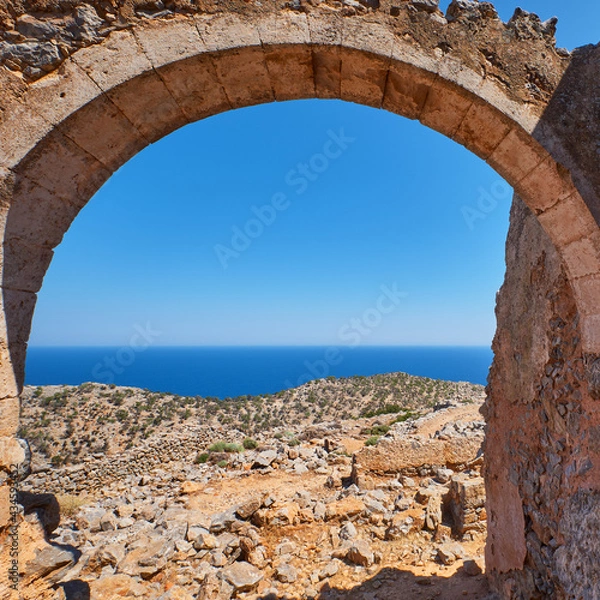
[40, 346]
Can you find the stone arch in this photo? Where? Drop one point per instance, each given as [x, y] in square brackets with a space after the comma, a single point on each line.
[62, 135]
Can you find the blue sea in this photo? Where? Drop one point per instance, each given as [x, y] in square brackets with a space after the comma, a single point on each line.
[234, 371]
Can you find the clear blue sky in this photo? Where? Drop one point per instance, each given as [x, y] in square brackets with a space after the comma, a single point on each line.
[392, 207]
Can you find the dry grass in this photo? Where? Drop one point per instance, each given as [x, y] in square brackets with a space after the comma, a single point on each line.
[70, 504]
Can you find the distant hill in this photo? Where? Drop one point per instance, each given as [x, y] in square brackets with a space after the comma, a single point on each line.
[66, 423]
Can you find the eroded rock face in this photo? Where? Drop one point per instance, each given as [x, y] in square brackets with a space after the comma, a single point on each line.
[541, 447]
[36, 37]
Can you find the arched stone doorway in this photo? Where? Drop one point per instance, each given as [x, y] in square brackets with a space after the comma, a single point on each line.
[498, 89]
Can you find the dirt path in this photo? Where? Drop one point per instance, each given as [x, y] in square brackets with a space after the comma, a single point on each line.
[468, 412]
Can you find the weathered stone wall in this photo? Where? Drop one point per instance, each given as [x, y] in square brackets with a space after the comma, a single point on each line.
[542, 446]
[405, 452]
[95, 472]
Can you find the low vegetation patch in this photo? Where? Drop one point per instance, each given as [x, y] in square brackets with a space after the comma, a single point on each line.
[379, 430]
[201, 458]
[225, 447]
[408, 414]
[372, 441]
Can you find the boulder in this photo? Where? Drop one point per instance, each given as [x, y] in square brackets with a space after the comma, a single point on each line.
[264, 459]
[433, 513]
[360, 553]
[47, 562]
[286, 573]
[242, 576]
[247, 509]
[215, 588]
[205, 541]
[148, 559]
[348, 531]
[222, 521]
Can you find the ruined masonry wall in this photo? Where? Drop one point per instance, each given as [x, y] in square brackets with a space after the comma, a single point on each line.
[543, 430]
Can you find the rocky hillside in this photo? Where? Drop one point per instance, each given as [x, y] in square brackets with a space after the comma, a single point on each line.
[327, 511]
[66, 424]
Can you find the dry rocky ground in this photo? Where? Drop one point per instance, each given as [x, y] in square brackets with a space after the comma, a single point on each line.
[382, 506]
[65, 423]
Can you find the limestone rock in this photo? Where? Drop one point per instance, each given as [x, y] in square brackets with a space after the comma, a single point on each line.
[429, 6]
[116, 586]
[242, 576]
[360, 553]
[48, 561]
[247, 509]
[14, 451]
[205, 541]
[348, 531]
[149, 558]
[330, 569]
[176, 593]
[433, 513]
[264, 459]
[467, 503]
[286, 573]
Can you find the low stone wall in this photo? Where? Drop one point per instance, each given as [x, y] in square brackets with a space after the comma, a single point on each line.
[408, 455]
[96, 471]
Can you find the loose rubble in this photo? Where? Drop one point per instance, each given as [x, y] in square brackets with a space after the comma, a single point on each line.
[286, 519]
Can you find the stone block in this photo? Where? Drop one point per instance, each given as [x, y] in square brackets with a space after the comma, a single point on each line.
[148, 104]
[194, 85]
[115, 61]
[568, 221]
[103, 131]
[244, 77]
[166, 42]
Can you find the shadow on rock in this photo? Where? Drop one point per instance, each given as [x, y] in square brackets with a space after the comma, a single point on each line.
[75, 590]
[45, 506]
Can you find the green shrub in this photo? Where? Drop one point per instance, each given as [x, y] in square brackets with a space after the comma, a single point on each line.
[387, 409]
[201, 458]
[250, 444]
[225, 447]
[380, 429]
[233, 448]
[293, 442]
[56, 460]
[409, 414]
[222, 464]
[122, 415]
[217, 447]
[372, 441]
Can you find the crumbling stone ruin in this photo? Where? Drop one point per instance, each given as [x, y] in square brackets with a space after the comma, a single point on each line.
[85, 86]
